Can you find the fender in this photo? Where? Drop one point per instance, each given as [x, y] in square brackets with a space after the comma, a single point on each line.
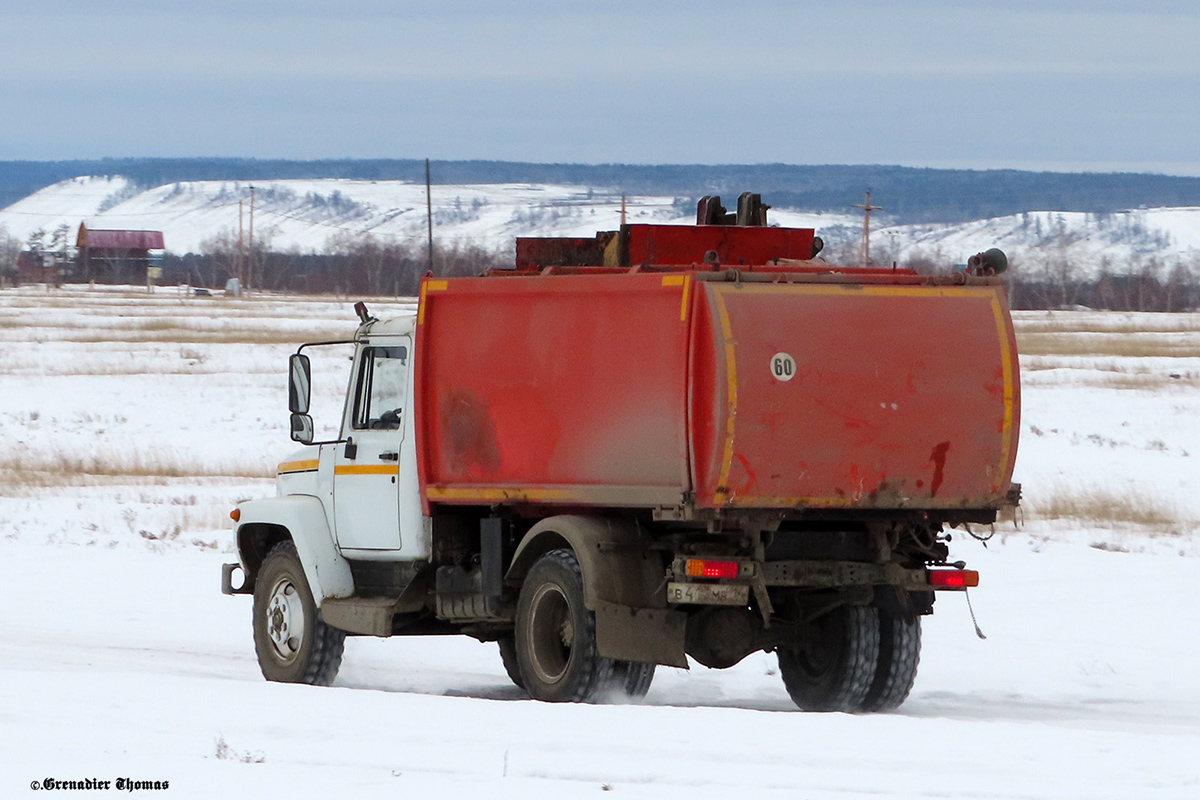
[303, 519]
[624, 584]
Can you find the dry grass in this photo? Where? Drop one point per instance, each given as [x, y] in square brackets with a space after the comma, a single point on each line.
[181, 334]
[1098, 334]
[37, 469]
[1124, 345]
[1104, 322]
[78, 315]
[1139, 352]
[1104, 507]
[175, 331]
[1107, 375]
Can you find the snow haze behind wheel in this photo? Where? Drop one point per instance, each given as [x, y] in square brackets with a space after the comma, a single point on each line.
[293, 643]
[637, 679]
[834, 671]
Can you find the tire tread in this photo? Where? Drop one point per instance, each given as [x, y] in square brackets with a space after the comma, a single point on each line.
[899, 656]
[847, 687]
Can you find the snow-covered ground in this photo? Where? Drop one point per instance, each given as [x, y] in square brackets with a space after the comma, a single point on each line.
[132, 422]
[311, 215]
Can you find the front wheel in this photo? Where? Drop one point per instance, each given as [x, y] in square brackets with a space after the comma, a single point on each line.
[293, 643]
[834, 669]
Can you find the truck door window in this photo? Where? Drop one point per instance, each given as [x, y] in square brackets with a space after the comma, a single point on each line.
[382, 381]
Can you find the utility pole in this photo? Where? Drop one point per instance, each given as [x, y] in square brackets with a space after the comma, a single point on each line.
[251, 237]
[622, 210]
[429, 213]
[867, 208]
[241, 277]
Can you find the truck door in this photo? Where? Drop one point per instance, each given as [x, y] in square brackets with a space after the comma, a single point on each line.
[366, 469]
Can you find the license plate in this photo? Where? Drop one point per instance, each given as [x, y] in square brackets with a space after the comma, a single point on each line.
[711, 594]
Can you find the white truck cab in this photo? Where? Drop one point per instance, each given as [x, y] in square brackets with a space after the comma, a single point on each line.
[349, 500]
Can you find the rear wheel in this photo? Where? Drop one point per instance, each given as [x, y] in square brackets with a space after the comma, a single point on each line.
[293, 643]
[899, 655]
[834, 669]
[555, 640]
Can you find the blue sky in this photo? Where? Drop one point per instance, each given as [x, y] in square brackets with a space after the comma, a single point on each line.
[1071, 85]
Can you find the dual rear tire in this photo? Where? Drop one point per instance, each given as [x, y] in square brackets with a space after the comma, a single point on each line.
[859, 659]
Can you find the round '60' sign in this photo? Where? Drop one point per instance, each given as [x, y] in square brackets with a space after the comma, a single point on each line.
[783, 367]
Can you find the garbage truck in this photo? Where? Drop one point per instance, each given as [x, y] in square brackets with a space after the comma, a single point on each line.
[664, 445]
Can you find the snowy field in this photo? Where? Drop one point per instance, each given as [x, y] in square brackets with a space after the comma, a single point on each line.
[132, 423]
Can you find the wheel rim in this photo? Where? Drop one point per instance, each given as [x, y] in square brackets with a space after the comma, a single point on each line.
[285, 620]
[551, 633]
[817, 657]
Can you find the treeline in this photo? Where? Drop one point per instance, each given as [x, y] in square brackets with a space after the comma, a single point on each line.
[1066, 276]
[353, 265]
[1178, 291]
[907, 195]
[367, 267]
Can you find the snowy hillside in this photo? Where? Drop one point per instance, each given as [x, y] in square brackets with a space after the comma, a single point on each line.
[1122, 238]
[306, 214]
[125, 450]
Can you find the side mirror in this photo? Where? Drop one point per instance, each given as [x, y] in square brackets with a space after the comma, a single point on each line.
[302, 428]
[299, 388]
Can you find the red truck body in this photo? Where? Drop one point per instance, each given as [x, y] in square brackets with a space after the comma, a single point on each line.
[635, 388]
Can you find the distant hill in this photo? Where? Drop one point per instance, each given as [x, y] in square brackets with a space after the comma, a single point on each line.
[908, 195]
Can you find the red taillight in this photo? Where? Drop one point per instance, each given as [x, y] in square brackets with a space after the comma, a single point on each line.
[699, 568]
[953, 578]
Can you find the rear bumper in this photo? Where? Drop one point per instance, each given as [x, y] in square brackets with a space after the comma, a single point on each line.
[686, 590]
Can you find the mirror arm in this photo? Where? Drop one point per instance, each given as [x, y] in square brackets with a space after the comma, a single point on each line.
[300, 349]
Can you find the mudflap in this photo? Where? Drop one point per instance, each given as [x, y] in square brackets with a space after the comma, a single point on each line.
[649, 635]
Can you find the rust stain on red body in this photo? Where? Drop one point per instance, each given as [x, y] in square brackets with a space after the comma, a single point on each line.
[938, 457]
[469, 434]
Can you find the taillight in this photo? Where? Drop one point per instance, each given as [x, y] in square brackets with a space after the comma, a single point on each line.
[700, 568]
[953, 578]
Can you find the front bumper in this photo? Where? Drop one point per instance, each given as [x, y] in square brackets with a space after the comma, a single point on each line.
[246, 586]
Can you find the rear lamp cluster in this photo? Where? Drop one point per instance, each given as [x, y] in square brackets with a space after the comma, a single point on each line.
[701, 568]
[953, 578]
